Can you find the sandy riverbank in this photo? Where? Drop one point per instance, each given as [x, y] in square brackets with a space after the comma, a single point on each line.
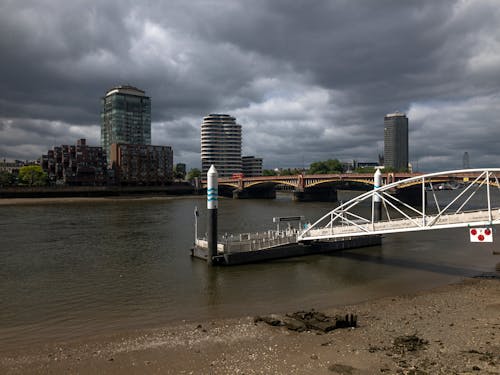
[59, 200]
[453, 330]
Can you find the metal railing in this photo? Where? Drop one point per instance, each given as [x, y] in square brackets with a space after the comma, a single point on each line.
[403, 217]
[252, 241]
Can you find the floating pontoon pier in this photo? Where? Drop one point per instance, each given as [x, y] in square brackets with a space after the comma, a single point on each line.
[257, 247]
[273, 244]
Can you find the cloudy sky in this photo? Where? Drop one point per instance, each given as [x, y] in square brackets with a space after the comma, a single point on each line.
[308, 80]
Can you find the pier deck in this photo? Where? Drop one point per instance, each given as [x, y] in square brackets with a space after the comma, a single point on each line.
[272, 244]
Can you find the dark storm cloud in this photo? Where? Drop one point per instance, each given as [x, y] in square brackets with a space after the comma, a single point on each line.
[308, 80]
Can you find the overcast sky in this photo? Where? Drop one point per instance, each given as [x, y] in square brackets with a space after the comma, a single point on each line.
[307, 80]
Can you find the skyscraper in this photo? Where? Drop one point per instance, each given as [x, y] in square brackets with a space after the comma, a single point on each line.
[396, 141]
[125, 117]
[465, 161]
[221, 144]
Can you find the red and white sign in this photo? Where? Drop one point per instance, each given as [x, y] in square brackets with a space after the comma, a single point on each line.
[481, 235]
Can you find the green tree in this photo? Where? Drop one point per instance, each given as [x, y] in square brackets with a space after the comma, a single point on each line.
[6, 179]
[290, 172]
[32, 175]
[269, 172]
[193, 173]
[370, 170]
[325, 167]
[180, 171]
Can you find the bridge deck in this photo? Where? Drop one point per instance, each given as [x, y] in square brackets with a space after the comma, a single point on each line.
[462, 219]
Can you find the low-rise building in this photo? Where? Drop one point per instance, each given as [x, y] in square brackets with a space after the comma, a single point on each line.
[11, 166]
[75, 164]
[137, 164]
[251, 166]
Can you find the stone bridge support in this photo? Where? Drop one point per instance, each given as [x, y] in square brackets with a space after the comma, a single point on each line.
[316, 194]
[255, 192]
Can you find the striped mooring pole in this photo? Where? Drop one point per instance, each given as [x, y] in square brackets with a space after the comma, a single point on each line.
[377, 201]
[212, 205]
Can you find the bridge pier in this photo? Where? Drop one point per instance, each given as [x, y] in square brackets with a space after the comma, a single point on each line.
[255, 193]
[315, 195]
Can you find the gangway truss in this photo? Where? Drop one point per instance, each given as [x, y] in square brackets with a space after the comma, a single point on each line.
[469, 200]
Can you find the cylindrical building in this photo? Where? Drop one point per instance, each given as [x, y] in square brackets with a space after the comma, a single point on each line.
[221, 144]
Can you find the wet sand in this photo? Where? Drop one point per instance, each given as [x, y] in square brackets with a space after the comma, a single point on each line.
[41, 201]
[453, 329]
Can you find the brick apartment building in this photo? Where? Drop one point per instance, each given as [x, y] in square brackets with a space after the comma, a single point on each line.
[139, 164]
[76, 164]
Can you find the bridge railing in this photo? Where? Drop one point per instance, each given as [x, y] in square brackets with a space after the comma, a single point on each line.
[253, 241]
[427, 214]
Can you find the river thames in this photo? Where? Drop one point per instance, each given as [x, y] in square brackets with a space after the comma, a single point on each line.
[76, 269]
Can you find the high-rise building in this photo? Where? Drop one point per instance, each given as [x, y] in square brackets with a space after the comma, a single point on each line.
[220, 145]
[465, 160]
[396, 141]
[251, 166]
[125, 117]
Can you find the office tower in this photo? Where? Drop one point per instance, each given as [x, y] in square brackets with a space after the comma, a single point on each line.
[465, 160]
[396, 141]
[125, 117]
[251, 166]
[135, 164]
[220, 145]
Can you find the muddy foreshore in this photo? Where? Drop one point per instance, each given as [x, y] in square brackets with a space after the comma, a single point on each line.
[449, 330]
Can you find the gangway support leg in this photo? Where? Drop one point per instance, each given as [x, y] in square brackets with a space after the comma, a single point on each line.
[377, 200]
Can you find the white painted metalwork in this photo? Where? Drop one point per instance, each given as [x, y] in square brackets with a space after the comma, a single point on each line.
[253, 241]
[458, 209]
[212, 188]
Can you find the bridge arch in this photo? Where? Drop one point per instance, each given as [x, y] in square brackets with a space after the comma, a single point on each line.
[274, 182]
[339, 181]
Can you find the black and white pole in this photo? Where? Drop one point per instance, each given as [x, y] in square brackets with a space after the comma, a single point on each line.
[377, 200]
[196, 215]
[212, 204]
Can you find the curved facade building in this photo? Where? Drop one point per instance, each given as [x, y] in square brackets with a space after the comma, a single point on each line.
[220, 145]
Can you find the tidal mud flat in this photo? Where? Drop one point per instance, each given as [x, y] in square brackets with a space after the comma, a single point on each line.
[453, 329]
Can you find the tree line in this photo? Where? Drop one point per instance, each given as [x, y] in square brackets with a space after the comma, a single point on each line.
[29, 175]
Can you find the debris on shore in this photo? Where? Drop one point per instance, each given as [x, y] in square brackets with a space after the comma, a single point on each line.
[411, 343]
[309, 320]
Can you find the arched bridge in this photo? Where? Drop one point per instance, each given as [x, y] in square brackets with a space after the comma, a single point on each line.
[474, 200]
[319, 187]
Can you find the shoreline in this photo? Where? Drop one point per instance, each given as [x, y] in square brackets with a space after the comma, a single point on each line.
[458, 325]
[51, 200]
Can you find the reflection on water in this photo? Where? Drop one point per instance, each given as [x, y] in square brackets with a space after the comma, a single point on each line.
[76, 269]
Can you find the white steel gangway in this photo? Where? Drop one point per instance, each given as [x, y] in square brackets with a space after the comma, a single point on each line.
[474, 201]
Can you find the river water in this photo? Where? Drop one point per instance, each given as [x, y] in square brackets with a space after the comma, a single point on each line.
[72, 270]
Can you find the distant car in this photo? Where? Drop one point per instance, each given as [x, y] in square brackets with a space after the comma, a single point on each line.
[237, 176]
